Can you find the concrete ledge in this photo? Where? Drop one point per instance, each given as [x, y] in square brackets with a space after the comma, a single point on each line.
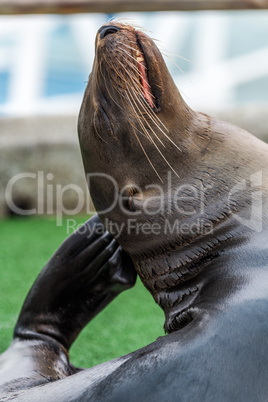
[252, 118]
[46, 149]
[38, 130]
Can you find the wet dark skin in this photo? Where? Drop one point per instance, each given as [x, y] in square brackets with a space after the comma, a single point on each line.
[212, 285]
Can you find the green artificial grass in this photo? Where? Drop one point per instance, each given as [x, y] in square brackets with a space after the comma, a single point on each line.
[130, 322]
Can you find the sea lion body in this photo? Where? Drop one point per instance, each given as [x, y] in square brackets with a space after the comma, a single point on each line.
[201, 171]
[209, 272]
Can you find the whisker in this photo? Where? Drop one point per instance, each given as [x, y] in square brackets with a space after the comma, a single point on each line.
[163, 50]
[149, 160]
[160, 121]
[174, 171]
[152, 114]
[140, 121]
[145, 153]
[132, 22]
[108, 88]
[132, 66]
[113, 89]
[123, 79]
[181, 70]
[137, 115]
[129, 47]
[131, 56]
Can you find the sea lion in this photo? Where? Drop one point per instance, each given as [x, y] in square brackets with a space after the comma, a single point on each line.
[186, 196]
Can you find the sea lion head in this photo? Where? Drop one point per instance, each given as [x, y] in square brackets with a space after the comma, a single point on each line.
[129, 84]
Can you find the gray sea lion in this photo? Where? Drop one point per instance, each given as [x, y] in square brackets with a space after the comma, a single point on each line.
[188, 202]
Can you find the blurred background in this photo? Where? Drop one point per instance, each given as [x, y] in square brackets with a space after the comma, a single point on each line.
[45, 61]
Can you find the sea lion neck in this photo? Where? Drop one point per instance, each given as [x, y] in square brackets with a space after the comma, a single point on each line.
[199, 278]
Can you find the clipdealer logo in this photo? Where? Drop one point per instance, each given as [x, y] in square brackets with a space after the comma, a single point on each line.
[134, 227]
[185, 200]
[254, 221]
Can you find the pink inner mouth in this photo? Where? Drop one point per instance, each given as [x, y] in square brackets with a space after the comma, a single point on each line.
[144, 80]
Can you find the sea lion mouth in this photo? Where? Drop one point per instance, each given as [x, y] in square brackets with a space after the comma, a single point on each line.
[144, 78]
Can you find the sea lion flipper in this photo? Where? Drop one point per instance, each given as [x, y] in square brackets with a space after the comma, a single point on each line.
[72, 288]
[87, 272]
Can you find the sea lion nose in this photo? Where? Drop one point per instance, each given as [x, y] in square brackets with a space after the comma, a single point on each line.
[107, 29]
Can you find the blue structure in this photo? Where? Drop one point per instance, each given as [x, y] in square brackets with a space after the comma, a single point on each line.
[45, 60]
